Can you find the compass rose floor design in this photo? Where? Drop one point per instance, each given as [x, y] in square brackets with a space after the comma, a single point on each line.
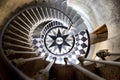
[56, 42]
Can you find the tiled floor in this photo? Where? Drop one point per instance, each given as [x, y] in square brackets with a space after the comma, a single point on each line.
[58, 43]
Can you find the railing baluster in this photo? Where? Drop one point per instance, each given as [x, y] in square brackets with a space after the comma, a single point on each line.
[85, 71]
[55, 13]
[31, 16]
[15, 39]
[19, 30]
[51, 13]
[24, 22]
[21, 61]
[44, 73]
[38, 13]
[17, 46]
[58, 14]
[43, 13]
[47, 69]
[15, 34]
[21, 26]
[10, 52]
[101, 61]
[35, 14]
[47, 13]
[27, 19]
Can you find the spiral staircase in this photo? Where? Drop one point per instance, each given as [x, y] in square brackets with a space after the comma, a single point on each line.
[42, 35]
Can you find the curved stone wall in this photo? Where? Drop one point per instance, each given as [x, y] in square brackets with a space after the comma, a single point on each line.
[101, 12]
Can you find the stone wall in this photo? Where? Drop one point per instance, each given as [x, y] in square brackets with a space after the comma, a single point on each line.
[9, 6]
[101, 12]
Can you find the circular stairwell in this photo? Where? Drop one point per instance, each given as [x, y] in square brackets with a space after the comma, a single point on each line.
[40, 31]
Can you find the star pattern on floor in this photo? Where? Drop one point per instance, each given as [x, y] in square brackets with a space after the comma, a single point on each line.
[59, 43]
